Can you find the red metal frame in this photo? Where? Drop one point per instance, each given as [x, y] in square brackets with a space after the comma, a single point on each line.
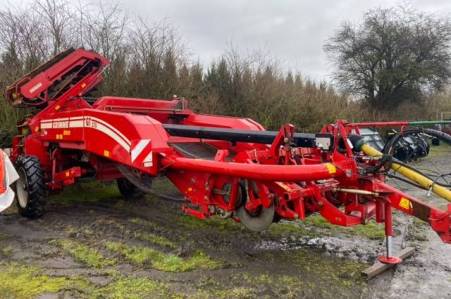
[73, 138]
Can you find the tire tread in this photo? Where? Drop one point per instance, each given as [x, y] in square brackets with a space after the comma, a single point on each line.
[35, 187]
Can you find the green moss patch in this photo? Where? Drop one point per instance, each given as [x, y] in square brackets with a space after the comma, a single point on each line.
[143, 256]
[26, 282]
[84, 254]
[371, 230]
[316, 225]
[290, 228]
[19, 281]
[155, 239]
[228, 293]
[331, 269]
[310, 275]
[133, 288]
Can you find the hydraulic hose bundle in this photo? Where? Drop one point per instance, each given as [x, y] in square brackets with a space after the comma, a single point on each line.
[417, 177]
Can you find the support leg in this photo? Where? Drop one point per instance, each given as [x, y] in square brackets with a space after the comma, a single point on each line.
[388, 258]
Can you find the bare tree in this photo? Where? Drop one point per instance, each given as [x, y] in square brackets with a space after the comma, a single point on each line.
[23, 32]
[58, 17]
[395, 55]
[104, 29]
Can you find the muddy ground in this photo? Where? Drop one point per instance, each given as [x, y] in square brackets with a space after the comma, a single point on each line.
[93, 244]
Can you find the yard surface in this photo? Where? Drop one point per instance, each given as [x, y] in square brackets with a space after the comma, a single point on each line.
[94, 244]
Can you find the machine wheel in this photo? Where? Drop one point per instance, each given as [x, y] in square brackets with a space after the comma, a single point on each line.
[30, 188]
[128, 190]
[259, 221]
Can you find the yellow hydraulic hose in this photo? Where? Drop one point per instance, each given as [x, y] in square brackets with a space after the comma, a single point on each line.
[411, 174]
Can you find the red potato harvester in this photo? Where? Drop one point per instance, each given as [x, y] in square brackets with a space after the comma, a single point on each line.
[223, 165]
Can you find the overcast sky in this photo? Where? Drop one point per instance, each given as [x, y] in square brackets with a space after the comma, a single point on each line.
[293, 31]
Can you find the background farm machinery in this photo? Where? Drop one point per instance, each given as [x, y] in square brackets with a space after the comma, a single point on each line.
[407, 149]
[226, 166]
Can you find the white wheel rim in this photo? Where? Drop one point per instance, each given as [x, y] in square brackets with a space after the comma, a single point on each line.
[22, 194]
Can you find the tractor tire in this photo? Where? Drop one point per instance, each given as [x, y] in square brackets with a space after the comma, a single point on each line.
[30, 188]
[128, 190]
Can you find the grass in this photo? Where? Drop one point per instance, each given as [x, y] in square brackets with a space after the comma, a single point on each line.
[133, 288]
[336, 271]
[320, 276]
[142, 256]
[92, 191]
[291, 228]
[84, 254]
[309, 227]
[23, 281]
[227, 293]
[155, 239]
[371, 230]
[311, 275]
[208, 287]
[312, 223]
